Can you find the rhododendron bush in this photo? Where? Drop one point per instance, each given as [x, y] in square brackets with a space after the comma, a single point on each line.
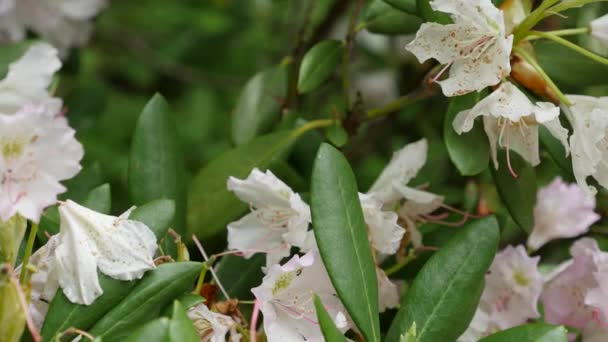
[313, 170]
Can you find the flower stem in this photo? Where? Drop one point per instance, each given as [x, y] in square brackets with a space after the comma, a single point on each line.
[401, 264]
[565, 5]
[24, 277]
[543, 74]
[312, 125]
[566, 32]
[201, 279]
[522, 30]
[570, 45]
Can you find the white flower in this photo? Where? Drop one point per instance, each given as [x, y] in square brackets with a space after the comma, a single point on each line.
[599, 28]
[562, 211]
[475, 45]
[28, 79]
[44, 283]
[384, 233]
[37, 150]
[391, 187]
[286, 296]
[122, 249]
[510, 297]
[511, 121]
[211, 326]
[63, 23]
[589, 140]
[278, 220]
[388, 292]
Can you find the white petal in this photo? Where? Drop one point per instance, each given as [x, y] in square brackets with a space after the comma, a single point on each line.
[81, 9]
[404, 166]
[248, 235]
[384, 232]
[388, 292]
[261, 190]
[492, 129]
[204, 320]
[482, 13]
[28, 78]
[418, 202]
[441, 42]
[122, 249]
[559, 132]
[599, 28]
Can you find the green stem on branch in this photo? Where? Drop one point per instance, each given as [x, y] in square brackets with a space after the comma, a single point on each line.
[566, 32]
[522, 30]
[312, 125]
[566, 5]
[543, 74]
[570, 45]
[24, 277]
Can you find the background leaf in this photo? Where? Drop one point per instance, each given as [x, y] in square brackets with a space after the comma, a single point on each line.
[426, 12]
[328, 327]
[240, 275]
[444, 295]
[470, 152]
[408, 6]
[318, 64]
[180, 326]
[537, 332]
[383, 18]
[341, 235]
[154, 331]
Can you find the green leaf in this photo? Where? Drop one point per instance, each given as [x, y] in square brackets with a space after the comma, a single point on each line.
[337, 135]
[385, 19]
[156, 168]
[568, 68]
[329, 329]
[427, 13]
[10, 53]
[80, 186]
[259, 104]
[341, 234]
[518, 195]
[155, 331]
[158, 288]
[408, 6]
[537, 332]
[556, 151]
[188, 300]
[210, 205]
[444, 295]
[180, 327]
[318, 64]
[239, 275]
[157, 215]
[470, 152]
[63, 314]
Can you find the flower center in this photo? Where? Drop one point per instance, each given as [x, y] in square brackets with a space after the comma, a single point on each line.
[520, 278]
[283, 282]
[12, 148]
[273, 217]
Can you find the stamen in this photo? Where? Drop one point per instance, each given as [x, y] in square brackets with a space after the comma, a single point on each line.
[436, 77]
[513, 173]
[461, 212]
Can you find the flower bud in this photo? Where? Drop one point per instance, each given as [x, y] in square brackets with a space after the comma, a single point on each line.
[598, 29]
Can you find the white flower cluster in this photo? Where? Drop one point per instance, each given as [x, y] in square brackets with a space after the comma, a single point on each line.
[476, 49]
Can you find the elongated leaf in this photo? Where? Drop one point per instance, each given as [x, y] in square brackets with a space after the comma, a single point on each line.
[328, 327]
[259, 105]
[318, 64]
[155, 331]
[569, 68]
[210, 205]
[426, 12]
[341, 234]
[158, 288]
[180, 327]
[517, 194]
[188, 300]
[537, 332]
[157, 215]
[444, 295]
[383, 18]
[556, 152]
[156, 168]
[407, 6]
[470, 152]
[240, 275]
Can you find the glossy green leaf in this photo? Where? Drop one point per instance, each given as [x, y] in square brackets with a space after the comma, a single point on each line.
[259, 104]
[155, 331]
[240, 275]
[383, 18]
[426, 12]
[341, 235]
[328, 327]
[556, 151]
[470, 152]
[537, 332]
[79, 187]
[156, 168]
[157, 215]
[188, 300]
[408, 6]
[337, 135]
[517, 194]
[157, 288]
[318, 64]
[568, 68]
[180, 326]
[444, 295]
[210, 205]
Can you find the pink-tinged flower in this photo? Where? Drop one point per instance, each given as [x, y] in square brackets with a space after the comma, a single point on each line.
[388, 292]
[37, 150]
[212, 326]
[562, 211]
[510, 298]
[278, 219]
[384, 233]
[286, 297]
[570, 296]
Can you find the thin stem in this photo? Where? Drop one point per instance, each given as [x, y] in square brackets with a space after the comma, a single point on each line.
[24, 278]
[399, 265]
[566, 32]
[253, 325]
[201, 279]
[565, 5]
[312, 125]
[397, 104]
[215, 277]
[521, 31]
[543, 74]
[570, 45]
